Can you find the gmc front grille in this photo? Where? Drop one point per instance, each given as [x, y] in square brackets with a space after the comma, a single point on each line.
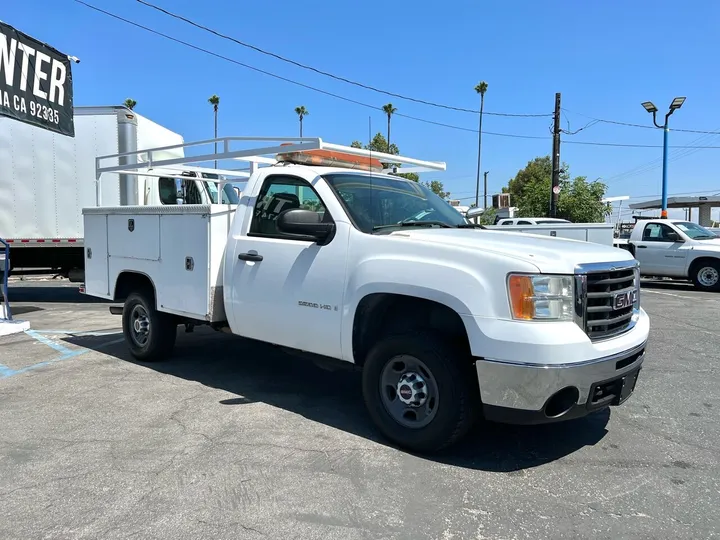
[608, 298]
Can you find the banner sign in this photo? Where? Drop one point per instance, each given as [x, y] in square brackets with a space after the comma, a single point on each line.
[35, 82]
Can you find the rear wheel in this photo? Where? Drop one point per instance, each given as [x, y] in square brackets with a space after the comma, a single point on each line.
[150, 334]
[706, 275]
[420, 392]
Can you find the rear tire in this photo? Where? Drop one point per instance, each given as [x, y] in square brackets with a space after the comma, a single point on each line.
[421, 393]
[705, 275]
[150, 334]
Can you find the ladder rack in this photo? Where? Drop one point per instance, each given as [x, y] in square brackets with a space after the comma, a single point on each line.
[143, 162]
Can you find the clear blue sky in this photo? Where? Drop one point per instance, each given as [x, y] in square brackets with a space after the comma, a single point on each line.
[604, 57]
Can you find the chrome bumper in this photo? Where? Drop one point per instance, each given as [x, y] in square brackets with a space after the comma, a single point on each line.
[532, 393]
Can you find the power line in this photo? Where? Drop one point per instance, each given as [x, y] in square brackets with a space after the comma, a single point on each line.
[291, 81]
[643, 126]
[655, 163]
[356, 102]
[325, 73]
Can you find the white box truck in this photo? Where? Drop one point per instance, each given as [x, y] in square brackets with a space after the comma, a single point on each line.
[329, 255]
[46, 179]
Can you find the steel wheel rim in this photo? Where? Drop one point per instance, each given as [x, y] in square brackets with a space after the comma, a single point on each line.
[708, 276]
[409, 391]
[139, 326]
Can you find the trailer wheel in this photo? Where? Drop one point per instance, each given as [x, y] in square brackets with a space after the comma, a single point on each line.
[706, 275]
[150, 334]
[417, 392]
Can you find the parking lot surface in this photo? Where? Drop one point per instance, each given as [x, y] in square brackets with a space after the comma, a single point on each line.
[232, 439]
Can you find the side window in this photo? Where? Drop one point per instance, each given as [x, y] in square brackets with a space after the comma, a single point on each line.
[524, 222]
[658, 232]
[168, 194]
[280, 193]
[507, 222]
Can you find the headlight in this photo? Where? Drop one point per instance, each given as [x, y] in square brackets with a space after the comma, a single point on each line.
[541, 297]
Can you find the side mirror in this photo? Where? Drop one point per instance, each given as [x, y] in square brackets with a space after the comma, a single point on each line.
[304, 223]
[673, 236]
[474, 212]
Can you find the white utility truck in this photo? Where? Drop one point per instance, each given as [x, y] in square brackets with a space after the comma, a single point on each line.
[325, 254]
[677, 249]
[47, 178]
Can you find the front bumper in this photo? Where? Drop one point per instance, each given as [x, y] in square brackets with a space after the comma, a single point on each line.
[523, 393]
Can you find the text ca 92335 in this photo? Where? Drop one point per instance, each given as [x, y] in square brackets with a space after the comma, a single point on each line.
[36, 109]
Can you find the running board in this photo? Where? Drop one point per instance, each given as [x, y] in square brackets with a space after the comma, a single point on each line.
[116, 310]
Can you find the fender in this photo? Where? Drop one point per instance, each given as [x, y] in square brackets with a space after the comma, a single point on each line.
[458, 287]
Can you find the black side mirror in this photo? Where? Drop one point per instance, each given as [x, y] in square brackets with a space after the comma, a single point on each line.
[305, 223]
[673, 237]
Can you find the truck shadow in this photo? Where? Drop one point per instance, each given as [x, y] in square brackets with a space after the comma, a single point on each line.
[667, 285]
[257, 372]
[52, 293]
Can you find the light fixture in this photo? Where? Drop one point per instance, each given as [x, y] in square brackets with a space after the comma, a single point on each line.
[649, 107]
[677, 103]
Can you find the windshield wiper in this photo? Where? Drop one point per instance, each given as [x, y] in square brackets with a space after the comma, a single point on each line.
[412, 224]
[470, 226]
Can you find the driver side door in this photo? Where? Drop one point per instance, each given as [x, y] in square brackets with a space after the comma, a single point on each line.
[286, 290]
[660, 251]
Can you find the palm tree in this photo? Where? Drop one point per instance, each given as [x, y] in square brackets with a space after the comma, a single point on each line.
[480, 88]
[389, 110]
[214, 100]
[130, 103]
[302, 112]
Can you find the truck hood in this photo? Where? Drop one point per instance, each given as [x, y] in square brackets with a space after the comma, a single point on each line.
[548, 254]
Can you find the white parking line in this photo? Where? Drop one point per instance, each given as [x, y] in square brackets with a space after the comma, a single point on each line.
[693, 297]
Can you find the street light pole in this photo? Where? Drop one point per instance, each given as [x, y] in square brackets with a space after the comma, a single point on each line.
[649, 107]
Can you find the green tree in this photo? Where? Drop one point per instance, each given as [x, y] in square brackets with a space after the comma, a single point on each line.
[437, 187]
[302, 112]
[488, 216]
[578, 201]
[214, 100]
[380, 144]
[389, 110]
[130, 103]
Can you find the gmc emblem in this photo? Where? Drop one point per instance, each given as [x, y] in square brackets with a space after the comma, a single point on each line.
[624, 300]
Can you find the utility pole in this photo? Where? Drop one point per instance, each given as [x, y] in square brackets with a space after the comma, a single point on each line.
[485, 189]
[555, 159]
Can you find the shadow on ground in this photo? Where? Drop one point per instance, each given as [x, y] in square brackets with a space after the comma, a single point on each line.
[257, 372]
[667, 285]
[20, 292]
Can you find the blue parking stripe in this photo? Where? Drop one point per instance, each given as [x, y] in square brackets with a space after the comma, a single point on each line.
[65, 354]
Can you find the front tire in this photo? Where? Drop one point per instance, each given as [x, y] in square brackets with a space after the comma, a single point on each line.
[150, 334]
[420, 392]
[706, 275]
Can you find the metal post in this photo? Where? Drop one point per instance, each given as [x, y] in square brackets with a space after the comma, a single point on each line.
[555, 183]
[485, 189]
[664, 212]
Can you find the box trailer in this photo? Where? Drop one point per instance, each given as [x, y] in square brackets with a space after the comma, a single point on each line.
[47, 178]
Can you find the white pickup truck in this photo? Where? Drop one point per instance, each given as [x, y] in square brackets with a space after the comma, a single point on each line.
[325, 253]
[677, 249]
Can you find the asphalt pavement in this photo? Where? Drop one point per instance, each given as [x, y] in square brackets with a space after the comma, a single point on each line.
[233, 439]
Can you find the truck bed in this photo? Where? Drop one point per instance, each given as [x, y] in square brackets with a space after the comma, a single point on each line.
[598, 233]
[180, 248]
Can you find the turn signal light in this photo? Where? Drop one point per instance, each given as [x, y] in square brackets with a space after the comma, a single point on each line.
[521, 297]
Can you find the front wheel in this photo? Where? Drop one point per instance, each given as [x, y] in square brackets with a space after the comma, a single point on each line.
[706, 275]
[149, 333]
[420, 392]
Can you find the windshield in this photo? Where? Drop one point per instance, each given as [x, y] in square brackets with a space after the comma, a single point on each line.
[381, 201]
[694, 231]
[229, 196]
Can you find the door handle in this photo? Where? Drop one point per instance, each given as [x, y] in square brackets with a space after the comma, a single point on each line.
[642, 247]
[250, 257]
